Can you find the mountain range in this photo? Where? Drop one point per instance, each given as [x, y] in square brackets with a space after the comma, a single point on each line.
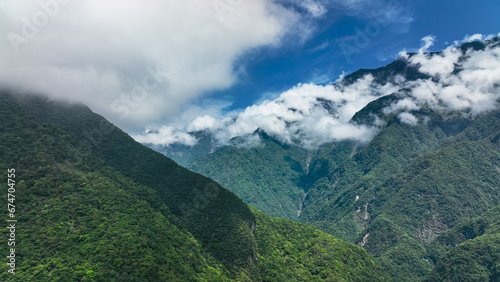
[422, 196]
[415, 197]
[91, 204]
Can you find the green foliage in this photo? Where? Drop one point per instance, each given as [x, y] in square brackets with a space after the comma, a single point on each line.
[408, 196]
[289, 251]
[475, 260]
[217, 218]
[468, 252]
[273, 177]
[251, 173]
[108, 209]
[98, 206]
[358, 176]
[395, 195]
[84, 222]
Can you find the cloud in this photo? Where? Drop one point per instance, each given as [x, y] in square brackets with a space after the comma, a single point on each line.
[465, 81]
[382, 11]
[476, 37]
[307, 115]
[212, 107]
[320, 47]
[408, 118]
[471, 38]
[406, 104]
[206, 122]
[316, 9]
[427, 42]
[441, 64]
[165, 135]
[135, 62]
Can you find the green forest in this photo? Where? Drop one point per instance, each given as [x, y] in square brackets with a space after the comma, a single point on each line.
[88, 203]
[94, 205]
[398, 196]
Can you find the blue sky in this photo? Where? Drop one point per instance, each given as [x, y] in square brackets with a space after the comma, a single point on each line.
[321, 59]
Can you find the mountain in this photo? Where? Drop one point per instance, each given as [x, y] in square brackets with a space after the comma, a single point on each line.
[393, 196]
[184, 154]
[400, 193]
[272, 176]
[469, 251]
[92, 204]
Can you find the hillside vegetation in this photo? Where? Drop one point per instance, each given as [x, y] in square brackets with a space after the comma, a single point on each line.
[94, 205]
[394, 196]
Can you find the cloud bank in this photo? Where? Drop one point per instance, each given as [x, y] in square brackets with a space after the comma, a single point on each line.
[134, 61]
[309, 115]
[465, 81]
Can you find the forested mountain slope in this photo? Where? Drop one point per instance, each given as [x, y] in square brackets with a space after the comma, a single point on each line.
[92, 204]
[415, 180]
[469, 251]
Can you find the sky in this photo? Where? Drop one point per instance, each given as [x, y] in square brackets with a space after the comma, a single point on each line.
[180, 65]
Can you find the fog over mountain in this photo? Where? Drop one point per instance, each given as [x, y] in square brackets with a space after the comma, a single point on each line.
[311, 115]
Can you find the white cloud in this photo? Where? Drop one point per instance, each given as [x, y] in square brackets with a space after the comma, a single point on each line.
[408, 118]
[310, 115]
[206, 122]
[466, 81]
[137, 62]
[316, 9]
[307, 115]
[320, 47]
[165, 135]
[474, 37]
[383, 12]
[406, 104]
[442, 64]
[427, 42]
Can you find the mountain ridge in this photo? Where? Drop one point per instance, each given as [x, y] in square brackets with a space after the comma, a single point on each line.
[388, 195]
[88, 212]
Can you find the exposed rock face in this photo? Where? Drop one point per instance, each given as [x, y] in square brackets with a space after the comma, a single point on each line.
[431, 229]
[362, 216]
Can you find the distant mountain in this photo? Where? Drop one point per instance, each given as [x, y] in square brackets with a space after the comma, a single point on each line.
[272, 176]
[183, 154]
[396, 196]
[94, 205]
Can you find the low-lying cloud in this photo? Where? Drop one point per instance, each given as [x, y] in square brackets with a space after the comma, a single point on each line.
[466, 81]
[309, 115]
